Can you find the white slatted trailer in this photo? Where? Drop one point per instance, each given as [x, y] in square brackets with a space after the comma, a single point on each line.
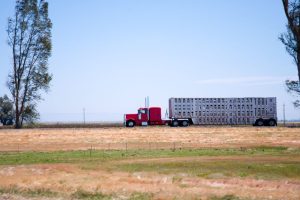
[247, 110]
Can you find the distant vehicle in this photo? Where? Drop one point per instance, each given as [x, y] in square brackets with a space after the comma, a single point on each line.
[209, 111]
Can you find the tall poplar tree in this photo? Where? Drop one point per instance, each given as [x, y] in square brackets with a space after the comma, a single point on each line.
[29, 36]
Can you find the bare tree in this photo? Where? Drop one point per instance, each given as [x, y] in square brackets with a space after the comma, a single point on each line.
[29, 36]
[291, 40]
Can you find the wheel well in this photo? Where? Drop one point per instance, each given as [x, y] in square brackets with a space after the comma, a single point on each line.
[259, 119]
[130, 120]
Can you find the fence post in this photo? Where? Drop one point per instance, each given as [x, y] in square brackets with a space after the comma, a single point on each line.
[174, 146]
[91, 151]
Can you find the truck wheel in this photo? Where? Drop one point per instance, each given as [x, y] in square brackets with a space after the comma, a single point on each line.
[174, 123]
[185, 123]
[130, 123]
[259, 122]
[271, 122]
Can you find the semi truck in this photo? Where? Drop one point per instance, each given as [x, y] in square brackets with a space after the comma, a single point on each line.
[258, 111]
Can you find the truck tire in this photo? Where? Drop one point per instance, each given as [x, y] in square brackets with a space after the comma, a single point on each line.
[174, 123]
[259, 122]
[272, 122]
[130, 124]
[185, 123]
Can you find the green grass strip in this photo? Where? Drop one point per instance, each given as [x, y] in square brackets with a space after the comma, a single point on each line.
[15, 158]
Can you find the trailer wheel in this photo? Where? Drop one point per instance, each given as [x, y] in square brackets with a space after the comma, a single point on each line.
[174, 123]
[272, 122]
[130, 123]
[259, 122]
[185, 123]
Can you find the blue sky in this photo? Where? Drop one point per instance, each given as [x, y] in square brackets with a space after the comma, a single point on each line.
[109, 54]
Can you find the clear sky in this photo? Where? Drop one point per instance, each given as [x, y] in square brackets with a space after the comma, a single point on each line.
[109, 54]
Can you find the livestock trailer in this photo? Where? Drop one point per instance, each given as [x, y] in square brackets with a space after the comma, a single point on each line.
[247, 110]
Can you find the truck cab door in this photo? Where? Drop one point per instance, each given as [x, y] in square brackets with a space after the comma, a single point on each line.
[142, 116]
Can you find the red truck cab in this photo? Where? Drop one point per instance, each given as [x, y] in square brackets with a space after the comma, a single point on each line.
[144, 117]
[152, 116]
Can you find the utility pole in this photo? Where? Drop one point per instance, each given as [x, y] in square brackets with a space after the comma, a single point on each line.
[83, 115]
[283, 114]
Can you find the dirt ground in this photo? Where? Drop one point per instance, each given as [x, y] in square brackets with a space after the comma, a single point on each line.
[146, 138]
[68, 178]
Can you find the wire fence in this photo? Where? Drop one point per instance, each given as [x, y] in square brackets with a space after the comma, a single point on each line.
[96, 146]
[125, 146]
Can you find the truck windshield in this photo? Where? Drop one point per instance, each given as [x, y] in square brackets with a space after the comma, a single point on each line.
[141, 111]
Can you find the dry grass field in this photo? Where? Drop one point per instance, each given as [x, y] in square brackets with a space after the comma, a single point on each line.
[150, 163]
[146, 138]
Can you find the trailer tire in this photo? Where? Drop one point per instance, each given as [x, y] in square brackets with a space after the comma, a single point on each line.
[272, 122]
[185, 123]
[130, 123]
[174, 123]
[259, 122]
